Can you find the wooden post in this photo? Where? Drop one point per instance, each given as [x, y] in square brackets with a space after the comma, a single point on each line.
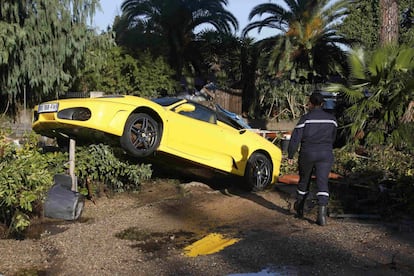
[72, 145]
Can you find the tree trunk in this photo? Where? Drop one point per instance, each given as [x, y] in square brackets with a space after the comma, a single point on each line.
[389, 21]
[250, 96]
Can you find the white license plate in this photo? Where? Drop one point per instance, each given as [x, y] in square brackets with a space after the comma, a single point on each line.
[48, 107]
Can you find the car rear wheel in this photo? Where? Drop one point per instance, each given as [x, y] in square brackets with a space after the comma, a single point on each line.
[259, 172]
[141, 135]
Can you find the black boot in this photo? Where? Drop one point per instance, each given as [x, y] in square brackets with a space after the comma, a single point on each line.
[322, 212]
[298, 206]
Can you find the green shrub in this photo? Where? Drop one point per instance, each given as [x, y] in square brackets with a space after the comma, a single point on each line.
[101, 163]
[380, 169]
[386, 163]
[285, 168]
[383, 169]
[26, 175]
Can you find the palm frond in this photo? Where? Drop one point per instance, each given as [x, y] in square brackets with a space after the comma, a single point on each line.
[357, 65]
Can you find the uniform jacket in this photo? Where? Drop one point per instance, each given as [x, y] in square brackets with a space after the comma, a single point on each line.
[315, 131]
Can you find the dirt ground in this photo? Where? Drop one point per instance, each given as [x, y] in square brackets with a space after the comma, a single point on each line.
[146, 233]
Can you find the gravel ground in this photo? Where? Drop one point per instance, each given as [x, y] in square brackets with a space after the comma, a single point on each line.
[145, 233]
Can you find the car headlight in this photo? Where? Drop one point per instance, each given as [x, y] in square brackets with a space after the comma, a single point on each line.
[77, 113]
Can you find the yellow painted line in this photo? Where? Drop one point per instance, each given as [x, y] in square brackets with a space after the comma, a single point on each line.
[210, 244]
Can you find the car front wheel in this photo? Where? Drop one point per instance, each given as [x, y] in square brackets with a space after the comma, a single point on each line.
[141, 135]
[259, 172]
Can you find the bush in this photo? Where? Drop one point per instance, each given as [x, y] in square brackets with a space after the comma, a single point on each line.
[101, 163]
[386, 163]
[26, 175]
[385, 170]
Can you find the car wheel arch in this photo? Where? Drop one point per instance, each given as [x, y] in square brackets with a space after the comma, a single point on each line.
[142, 133]
[265, 153]
[151, 113]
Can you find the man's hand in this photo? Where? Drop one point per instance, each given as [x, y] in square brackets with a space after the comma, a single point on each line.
[291, 161]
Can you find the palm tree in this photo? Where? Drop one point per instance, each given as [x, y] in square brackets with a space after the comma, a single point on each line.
[379, 95]
[306, 42]
[176, 20]
[389, 22]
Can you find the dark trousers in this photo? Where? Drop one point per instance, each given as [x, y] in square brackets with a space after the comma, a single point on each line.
[321, 162]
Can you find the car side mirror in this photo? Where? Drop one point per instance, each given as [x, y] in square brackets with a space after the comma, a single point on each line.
[185, 108]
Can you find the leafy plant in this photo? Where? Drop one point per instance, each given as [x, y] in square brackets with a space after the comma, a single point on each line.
[306, 44]
[121, 73]
[175, 23]
[283, 99]
[99, 163]
[43, 43]
[385, 170]
[25, 176]
[286, 168]
[379, 95]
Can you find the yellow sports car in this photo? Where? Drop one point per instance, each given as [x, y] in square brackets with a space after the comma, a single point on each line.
[176, 126]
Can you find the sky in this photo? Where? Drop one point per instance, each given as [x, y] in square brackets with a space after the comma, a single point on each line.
[239, 8]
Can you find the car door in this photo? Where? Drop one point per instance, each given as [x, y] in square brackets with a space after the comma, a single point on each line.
[195, 135]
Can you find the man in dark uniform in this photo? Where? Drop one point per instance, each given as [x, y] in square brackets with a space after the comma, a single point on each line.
[315, 133]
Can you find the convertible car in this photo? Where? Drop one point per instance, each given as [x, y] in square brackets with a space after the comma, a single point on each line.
[212, 137]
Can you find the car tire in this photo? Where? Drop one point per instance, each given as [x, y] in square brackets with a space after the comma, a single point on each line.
[141, 136]
[259, 171]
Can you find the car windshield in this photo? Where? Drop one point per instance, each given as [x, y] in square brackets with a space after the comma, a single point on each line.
[223, 115]
[166, 101]
[231, 118]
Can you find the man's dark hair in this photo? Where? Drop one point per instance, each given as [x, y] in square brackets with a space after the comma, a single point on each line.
[316, 99]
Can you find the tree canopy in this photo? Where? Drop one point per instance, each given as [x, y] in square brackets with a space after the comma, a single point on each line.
[174, 21]
[379, 95]
[363, 23]
[307, 43]
[41, 45]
